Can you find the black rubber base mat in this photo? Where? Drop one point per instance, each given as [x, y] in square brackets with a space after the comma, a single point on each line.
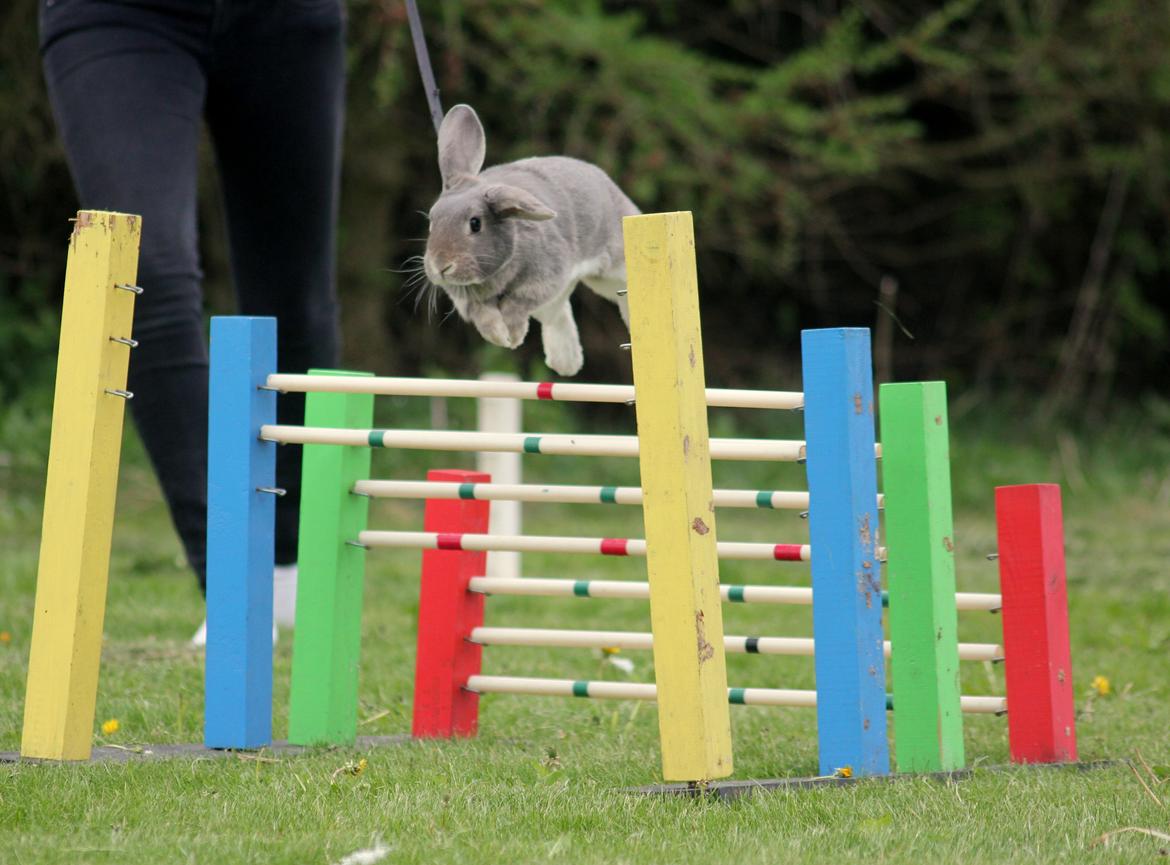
[735, 789]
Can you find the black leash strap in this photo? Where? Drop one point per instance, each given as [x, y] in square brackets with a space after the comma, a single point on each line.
[424, 63]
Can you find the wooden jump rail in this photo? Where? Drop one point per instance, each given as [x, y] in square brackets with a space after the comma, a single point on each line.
[587, 546]
[642, 691]
[777, 450]
[795, 595]
[635, 641]
[557, 391]
[570, 494]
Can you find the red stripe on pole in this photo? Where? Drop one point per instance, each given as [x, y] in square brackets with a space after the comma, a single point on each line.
[1037, 662]
[614, 547]
[786, 552]
[544, 390]
[447, 613]
[449, 540]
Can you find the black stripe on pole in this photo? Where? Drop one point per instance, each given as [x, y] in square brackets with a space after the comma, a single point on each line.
[424, 63]
[751, 645]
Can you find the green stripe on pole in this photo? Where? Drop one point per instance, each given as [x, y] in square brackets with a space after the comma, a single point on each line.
[467, 490]
[608, 495]
[327, 642]
[581, 588]
[885, 598]
[928, 723]
[580, 689]
[764, 499]
[377, 436]
[735, 594]
[889, 702]
[532, 444]
[735, 696]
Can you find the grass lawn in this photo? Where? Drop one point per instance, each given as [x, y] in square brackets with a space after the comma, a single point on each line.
[543, 782]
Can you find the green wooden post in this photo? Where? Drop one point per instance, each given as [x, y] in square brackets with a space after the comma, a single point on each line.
[916, 479]
[327, 642]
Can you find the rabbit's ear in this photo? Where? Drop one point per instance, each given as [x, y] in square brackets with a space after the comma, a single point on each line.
[512, 201]
[461, 145]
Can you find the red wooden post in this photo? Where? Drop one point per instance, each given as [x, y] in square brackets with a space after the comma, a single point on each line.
[1038, 667]
[447, 612]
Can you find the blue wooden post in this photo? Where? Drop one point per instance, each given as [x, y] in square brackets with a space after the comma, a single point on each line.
[843, 529]
[240, 534]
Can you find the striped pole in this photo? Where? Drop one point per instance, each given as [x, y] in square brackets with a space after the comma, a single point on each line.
[847, 612]
[638, 691]
[555, 544]
[1038, 668]
[635, 641]
[241, 512]
[89, 404]
[447, 614]
[795, 595]
[529, 443]
[502, 389]
[571, 494]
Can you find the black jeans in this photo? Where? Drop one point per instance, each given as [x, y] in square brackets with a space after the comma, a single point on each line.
[130, 83]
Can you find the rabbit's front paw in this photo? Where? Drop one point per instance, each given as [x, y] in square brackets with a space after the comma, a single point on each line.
[517, 330]
[493, 329]
[564, 357]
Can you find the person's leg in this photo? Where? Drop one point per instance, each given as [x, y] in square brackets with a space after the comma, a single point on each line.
[128, 103]
[275, 109]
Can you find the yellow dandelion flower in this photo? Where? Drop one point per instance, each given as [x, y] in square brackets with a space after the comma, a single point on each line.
[111, 726]
[844, 772]
[5, 637]
[1101, 686]
[361, 766]
[610, 650]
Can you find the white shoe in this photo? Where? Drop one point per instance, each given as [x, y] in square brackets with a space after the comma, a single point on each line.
[284, 605]
[284, 595]
[199, 640]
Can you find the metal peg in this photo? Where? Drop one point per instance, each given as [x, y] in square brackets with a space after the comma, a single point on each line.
[356, 544]
[622, 292]
[125, 340]
[991, 557]
[276, 491]
[125, 394]
[626, 346]
[125, 286]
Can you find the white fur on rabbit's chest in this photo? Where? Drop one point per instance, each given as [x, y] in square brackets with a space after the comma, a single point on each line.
[589, 269]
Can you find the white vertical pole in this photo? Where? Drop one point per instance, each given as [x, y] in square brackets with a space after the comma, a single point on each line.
[501, 416]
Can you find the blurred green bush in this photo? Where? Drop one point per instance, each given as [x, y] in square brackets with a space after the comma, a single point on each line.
[984, 181]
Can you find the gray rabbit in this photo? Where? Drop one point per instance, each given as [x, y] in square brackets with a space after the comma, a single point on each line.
[514, 240]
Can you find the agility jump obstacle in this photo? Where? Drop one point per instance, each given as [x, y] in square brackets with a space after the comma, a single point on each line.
[674, 451]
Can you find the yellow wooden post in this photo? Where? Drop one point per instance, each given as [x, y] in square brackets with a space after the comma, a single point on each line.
[88, 407]
[685, 608]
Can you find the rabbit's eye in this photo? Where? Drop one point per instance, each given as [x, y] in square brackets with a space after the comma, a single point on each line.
[476, 225]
